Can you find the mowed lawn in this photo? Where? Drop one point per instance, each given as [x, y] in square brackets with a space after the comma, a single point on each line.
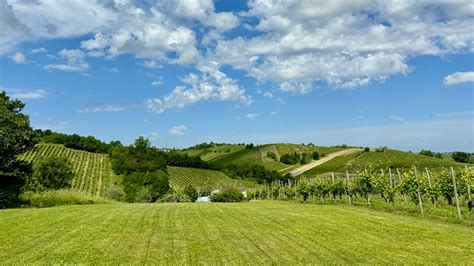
[240, 233]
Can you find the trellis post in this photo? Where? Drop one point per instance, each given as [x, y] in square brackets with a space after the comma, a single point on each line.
[456, 193]
[348, 183]
[418, 192]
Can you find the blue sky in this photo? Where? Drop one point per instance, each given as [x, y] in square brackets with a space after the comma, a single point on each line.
[368, 73]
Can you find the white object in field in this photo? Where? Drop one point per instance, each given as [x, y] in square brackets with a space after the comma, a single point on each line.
[244, 193]
[203, 199]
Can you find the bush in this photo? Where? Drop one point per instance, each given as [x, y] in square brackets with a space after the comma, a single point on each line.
[116, 194]
[272, 155]
[428, 153]
[228, 195]
[174, 198]
[60, 197]
[290, 159]
[366, 149]
[461, 157]
[191, 193]
[316, 155]
[53, 172]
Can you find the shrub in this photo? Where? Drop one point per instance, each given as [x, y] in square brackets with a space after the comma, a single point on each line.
[53, 172]
[191, 193]
[272, 155]
[316, 155]
[174, 198]
[366, 149]
[60, 197]
[228, 195]
[461, 157]
[116, 194]
[428, 153]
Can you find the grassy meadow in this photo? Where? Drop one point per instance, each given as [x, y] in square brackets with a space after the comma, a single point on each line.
[261, 232]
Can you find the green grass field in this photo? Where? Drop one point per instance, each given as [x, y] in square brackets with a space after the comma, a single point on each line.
[335, 165]
[214, 152]
[93, 172]
[241, 233]
[180, 177]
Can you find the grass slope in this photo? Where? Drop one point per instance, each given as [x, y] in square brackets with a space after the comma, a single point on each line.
[214, 152]
[334, 165]
[93, 172]
[242, 233]
[180, 177]
[258, 155]
[399, 159]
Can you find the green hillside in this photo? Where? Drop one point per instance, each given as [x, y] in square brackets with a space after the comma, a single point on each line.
[203, 179]
[260, 232]
[214, 152]
[258, 155]
[399, 159]
[93, 172]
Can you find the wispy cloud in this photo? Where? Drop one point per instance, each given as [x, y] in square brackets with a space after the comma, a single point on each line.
[26, 94]
[102, 108]
[459, 77]
[177, 130]
[39, 50]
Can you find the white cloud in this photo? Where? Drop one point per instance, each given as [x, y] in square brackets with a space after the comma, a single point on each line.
[156, 82]
[151, 64]
[39, 50]
[113, 70]
[19, 58]
[74, 61]
[26, 94]
[459, 77]
[209, 84]
[177, 130]
[251, 116]
[274, 113]
[342, 43]
[102, 108]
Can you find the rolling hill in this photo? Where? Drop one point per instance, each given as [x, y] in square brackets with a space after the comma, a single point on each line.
[93, 172]
[258, 155]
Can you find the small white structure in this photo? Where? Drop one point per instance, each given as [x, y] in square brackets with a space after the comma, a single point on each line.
[203, 199]
[244, 193]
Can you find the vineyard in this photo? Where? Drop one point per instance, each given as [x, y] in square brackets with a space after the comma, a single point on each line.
[201, 179]
[445, 192]
[92, 172]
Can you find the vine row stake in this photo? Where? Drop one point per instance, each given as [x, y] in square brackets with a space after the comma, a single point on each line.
[418, 192]
[348, 183]
[456, 193]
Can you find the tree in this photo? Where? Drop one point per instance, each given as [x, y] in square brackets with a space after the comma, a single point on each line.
[461, 157]
[191, 192]
[428, 153]
[16, 137]
[316, 155]
[50, 173]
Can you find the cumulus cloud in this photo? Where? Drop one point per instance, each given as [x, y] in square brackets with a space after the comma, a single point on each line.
[19, 58]
[25, 94]
[74, 61]
[39, 50]
[177, 130]
[344, 44]
[209, 84]
[101, 108]
[459, 77]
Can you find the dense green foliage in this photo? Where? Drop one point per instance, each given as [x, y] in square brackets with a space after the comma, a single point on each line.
[16, 137]
[252, 171]
[145, 186]
[89, 143]
[227, 195]
[191, 192]
[269, 233]
[52, 172]
[463, 157]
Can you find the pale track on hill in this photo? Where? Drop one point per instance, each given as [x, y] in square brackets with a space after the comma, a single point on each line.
[311, 165]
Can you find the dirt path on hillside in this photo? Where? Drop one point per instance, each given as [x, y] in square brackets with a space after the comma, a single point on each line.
[311, 165]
